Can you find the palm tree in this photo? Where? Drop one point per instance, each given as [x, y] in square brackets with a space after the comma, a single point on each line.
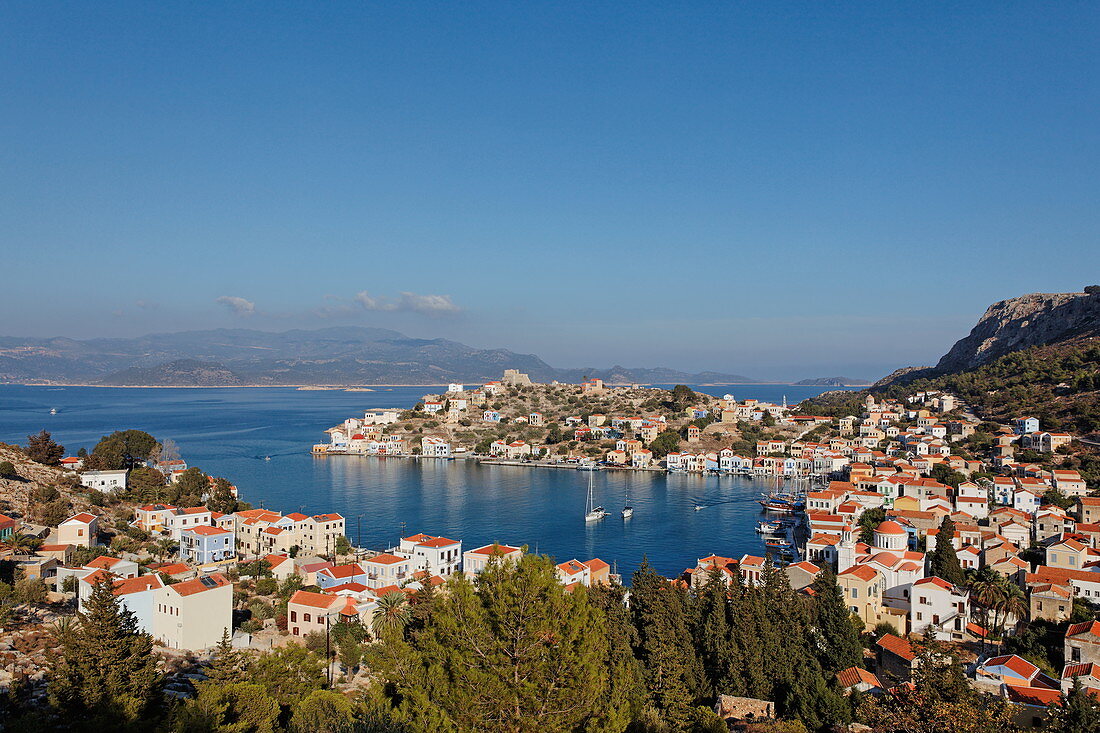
[166, 547]
[63, 628]
[391, 615]
[987, 590]
[1013, 603]
[18, 543]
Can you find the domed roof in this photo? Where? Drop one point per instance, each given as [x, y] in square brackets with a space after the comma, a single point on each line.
[889, 527]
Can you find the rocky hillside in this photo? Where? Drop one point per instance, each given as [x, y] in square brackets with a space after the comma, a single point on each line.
[188, 372]
[833, 382]
[1019, 323]
[1037, 354]
[22, 495]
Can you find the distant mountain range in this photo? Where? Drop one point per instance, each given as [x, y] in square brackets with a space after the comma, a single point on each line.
[834, 382]
[344, 356]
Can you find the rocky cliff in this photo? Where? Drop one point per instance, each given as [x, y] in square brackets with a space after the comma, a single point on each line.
[1019, 323]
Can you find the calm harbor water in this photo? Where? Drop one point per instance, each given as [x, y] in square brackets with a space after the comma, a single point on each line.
[230, 431]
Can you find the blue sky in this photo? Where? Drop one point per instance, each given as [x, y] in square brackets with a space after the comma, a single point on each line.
[779, 190]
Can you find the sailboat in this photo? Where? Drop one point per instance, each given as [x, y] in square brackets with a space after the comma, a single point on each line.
[628, 510]
[592, 513]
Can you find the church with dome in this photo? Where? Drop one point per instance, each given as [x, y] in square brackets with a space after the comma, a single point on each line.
[889, 555]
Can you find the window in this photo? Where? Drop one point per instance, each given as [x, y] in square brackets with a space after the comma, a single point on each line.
[305, 617]
[293, 615]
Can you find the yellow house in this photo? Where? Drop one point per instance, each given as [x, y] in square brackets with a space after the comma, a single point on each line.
[863, 587]
[907, 503]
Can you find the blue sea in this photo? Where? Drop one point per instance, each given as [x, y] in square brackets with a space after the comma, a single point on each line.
[230, 431]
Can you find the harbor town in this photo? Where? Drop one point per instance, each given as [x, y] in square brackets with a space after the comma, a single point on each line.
[933, 526]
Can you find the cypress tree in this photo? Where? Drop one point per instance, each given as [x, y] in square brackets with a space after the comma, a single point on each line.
[105, 676]
[712, 631]
[672, 670]
[944, 562]
[1077, 712]
[626, 693]
[836, 640]
[748, 623]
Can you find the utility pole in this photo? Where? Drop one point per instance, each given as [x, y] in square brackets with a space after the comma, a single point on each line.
[328, 649]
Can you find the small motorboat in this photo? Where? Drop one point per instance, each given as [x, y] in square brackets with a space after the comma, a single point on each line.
[628, 512]
[53, 410]
[778, 543]
[767, 527]
[699, 507]
[267, 458]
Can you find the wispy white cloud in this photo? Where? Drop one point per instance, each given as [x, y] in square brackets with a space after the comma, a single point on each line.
[238, 305]
[428, 305]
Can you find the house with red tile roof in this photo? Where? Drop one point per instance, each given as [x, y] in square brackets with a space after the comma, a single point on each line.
[474, 561]
[939, 609]
[859, 679]
[204, 545]
[1082, 643]
[1087, 673]
[193, 614]
[895, 657]
[81, 530]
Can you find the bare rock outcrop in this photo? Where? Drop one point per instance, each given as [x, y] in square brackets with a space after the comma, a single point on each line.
[1019, 323]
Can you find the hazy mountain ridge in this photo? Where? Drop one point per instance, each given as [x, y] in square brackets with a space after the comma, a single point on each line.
[331, 356]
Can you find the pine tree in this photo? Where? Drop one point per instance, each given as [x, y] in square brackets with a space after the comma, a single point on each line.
[105, 676]
[41, 448]
[513, 651]
[837, 643]
[673, 674]
[228, 662]
[228, 706]
[944, 562]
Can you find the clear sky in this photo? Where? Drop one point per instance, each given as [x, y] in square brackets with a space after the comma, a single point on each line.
[779, 190]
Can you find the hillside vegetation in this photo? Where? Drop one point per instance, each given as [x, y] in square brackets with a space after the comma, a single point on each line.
[1059, 384]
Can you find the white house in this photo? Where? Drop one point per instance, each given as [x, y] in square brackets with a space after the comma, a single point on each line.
[193, 614]
[436, 555]
[939, 609]
[433, 447]
[454, 388]
[106, 481]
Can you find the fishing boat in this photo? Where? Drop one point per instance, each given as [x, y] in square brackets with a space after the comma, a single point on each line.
[778, 543]
[53, 410]
[699, 507]
[592, 513]
[767, 527]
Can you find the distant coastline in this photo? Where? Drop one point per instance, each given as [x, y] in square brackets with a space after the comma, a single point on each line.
[351, 388]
